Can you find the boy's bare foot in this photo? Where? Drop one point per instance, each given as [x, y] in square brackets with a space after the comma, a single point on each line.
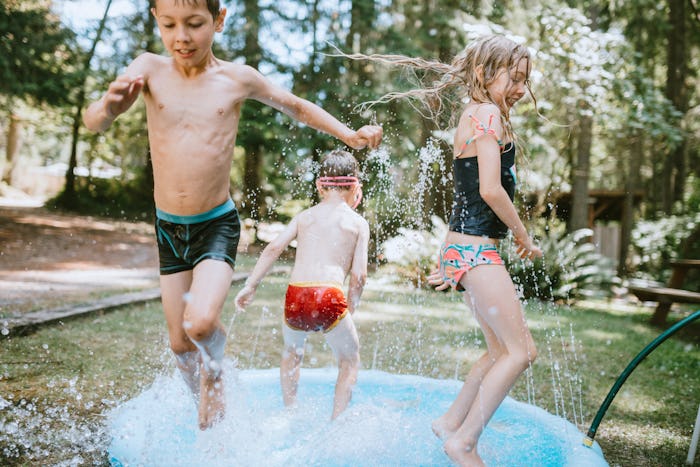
[441, 429]
[211, 400]
[462, 454]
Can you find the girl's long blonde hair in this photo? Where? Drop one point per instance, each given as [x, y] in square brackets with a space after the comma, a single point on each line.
[467, 76]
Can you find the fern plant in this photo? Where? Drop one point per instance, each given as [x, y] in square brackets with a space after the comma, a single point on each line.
[570, 269]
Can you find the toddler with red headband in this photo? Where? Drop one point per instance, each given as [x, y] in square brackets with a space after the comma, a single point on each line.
[332, 241]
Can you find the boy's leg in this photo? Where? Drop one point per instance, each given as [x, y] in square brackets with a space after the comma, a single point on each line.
[211, 281]
[173, 289]
[346, 347]
[290, 366]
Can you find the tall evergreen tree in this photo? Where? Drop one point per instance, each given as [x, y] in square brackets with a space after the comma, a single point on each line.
[37, 64]
[68, 196]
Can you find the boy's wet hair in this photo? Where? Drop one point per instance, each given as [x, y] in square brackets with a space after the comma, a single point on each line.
[214, 6]
[339, 163]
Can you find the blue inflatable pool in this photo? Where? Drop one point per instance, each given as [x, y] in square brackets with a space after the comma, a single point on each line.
[387, 423]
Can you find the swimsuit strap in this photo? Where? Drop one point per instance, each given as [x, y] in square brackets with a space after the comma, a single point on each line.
[480, 130]
[342, 181]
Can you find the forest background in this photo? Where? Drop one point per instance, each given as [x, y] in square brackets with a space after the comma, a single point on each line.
[617, 111]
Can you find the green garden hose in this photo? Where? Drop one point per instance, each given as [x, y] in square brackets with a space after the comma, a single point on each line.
[588, 440]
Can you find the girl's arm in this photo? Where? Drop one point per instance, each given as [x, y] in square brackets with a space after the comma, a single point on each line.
[358, 271]
[309, 113]
[269, 255]
[490, 188]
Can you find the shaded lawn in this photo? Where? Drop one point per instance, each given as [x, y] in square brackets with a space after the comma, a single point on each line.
[64, 378]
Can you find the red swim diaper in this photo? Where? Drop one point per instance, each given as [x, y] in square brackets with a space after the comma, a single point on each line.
[314, 306]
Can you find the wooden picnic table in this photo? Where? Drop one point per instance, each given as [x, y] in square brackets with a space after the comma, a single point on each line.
[672, 293]
[679, 270]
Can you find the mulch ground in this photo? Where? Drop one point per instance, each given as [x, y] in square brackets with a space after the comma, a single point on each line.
[49, 258]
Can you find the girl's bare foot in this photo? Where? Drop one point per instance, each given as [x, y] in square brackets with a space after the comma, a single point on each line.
[462, 454]
[211, 400]
[442, 429]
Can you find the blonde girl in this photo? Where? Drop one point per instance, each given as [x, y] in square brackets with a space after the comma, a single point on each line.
[494, 73]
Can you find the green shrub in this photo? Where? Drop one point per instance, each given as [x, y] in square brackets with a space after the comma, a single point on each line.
[413, 254]
[114, 198]
[656, 242]
[570, 269]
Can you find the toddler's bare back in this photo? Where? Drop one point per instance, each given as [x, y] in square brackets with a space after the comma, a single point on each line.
[326, 239]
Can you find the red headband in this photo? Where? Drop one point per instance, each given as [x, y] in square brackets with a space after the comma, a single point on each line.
[342, 181]
[337, 181]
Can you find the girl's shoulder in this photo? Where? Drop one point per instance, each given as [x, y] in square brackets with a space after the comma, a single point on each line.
[483, 111]
[477, 121]
[486, 119]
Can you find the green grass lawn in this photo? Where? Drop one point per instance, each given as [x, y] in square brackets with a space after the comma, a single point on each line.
[58, 382]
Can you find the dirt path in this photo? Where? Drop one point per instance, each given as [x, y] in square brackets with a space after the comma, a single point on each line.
[49, 259]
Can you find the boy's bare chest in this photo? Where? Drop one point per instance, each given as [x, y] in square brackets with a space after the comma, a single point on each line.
[175, 100]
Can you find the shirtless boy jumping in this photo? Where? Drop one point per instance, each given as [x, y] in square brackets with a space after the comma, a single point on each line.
[193, 105]
[332, 242]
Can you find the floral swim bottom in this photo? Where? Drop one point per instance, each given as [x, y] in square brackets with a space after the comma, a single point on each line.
[455, 260]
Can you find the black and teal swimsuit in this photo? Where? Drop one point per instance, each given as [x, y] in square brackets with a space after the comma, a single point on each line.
[184, 241]
[470, 213]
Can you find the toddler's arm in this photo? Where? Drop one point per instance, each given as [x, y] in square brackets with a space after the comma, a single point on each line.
[267, 258]
[358, 271]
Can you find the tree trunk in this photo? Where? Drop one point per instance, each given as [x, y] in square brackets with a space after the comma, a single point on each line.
[437, 199]
[634, 163]
[676, 74]
[580, 174]
[151, 41]
[252, 171]
[68, 195]
[14, 142]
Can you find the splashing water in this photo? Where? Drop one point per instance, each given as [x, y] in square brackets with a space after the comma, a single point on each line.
[79, 438]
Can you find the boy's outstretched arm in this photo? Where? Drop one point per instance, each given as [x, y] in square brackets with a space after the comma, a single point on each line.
[309, 113]
[269, 255]
[358, 271]
[120, 96]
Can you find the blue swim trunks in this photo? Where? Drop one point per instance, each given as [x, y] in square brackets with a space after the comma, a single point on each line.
[184, 241]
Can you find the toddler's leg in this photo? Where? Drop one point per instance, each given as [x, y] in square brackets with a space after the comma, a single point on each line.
[202, 323]
[346, 347]
[290, 366]
[499, 311]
